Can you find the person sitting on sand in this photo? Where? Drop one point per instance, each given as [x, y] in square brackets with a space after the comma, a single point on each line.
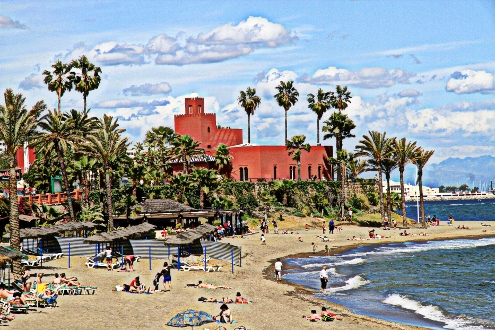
[227, 300]
[313, 317]
[211, 286]
[300, 239]
[352, 239]
[306, 227]
[371, 233]
[328, 313]
[405, 233]
[136, 286]
[225, 316]
[240, 299]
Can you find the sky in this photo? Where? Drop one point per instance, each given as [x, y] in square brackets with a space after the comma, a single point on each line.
[424, 70]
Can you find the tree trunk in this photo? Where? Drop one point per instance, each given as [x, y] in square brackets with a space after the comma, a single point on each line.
[403, 197]
[298, 170]
[15, 237]
[108, 182]
[318, 132]
[201, 198]
[249, 128]
[286, 127]
[389, 198]
[421, 199]
[338, 144]
[102, 190]
[66, 181]
[59, 94]
[380, 188]
[342, 199]
[84, 98]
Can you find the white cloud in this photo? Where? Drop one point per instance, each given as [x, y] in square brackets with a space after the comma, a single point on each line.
[30, 82]
[254, 30]
[148, 89]
[365, 78]
[409, 93]
[9, 23]
[225, 42]
[469, 81]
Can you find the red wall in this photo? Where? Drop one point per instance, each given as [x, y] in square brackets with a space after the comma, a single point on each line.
[261, 160]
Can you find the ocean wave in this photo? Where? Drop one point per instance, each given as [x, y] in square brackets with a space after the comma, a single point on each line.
[430, 312]
[431, 245]
[354, 261]
[352, 283]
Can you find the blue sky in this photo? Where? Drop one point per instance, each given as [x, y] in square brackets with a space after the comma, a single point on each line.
[424, 70]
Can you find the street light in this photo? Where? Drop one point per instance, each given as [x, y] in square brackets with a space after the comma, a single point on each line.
[342, 175]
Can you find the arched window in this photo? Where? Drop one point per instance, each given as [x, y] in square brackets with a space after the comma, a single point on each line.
[309, 173]
[246, 176]
[208, 130]
[190, 109]
[291, 172]
[241, 173]
[274, 172]
[199, 109]
[319, 172]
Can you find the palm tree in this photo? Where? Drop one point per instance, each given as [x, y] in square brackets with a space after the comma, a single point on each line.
[422, 157]
[59, 134]
[185, 149]
[249, 101]
[339, 126]
[357, 166]
[88, 78]
[341, 98]
[286, 97]
[59, 80]
[343, 159]
[206, 180]
[85, 167]
[404, 152]
[107, 145]
[319, 105]
[223, 158]
[17, 125]
[375, 147]
[296, 145]
[181, 183]
[389, 164]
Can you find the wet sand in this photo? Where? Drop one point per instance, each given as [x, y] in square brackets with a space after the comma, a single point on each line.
[275, 305]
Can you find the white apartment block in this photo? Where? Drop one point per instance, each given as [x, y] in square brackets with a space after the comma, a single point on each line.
[410, 190]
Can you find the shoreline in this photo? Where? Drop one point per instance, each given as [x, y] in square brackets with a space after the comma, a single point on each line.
[275, 304]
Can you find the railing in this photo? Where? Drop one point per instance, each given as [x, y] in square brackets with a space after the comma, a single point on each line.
[57, 198]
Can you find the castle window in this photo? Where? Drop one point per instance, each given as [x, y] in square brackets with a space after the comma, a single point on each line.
[241, 173]
[309, 172]
[274, 172]
[319, 172]
[208, 130]
[199, 109]
[246, 176]
[190, 109]
[208, 146]
[292, 170]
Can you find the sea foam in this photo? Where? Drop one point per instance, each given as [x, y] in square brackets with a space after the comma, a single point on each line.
[430, 312]
[352, 283]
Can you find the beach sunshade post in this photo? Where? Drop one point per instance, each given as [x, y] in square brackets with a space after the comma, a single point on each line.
[149, 254]
[191, 318]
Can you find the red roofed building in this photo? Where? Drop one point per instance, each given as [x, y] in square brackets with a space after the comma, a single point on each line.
[250, 162]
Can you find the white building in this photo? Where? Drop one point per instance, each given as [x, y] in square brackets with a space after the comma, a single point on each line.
[410, 190]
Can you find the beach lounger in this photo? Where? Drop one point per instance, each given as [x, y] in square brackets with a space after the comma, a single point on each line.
[187, 267]
[91, 263]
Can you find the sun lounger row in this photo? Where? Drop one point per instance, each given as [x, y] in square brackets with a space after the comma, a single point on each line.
[91, 263]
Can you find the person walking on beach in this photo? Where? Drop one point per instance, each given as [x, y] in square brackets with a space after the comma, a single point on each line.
[167, 279]
[263, 240]
[278, 269]
[108, 257]
[324, 278]
[331, 226]
[314, 247]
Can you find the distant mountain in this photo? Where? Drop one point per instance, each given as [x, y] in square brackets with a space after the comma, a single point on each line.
[455, 172]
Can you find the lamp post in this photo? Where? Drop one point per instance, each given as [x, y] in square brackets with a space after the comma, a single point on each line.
[342, 176]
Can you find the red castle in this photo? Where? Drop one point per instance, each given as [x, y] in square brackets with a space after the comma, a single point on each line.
[250, 162]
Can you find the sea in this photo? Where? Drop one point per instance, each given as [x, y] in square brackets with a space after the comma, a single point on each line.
[448, 284]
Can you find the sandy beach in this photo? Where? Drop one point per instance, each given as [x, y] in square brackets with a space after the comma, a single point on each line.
[275, 305]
